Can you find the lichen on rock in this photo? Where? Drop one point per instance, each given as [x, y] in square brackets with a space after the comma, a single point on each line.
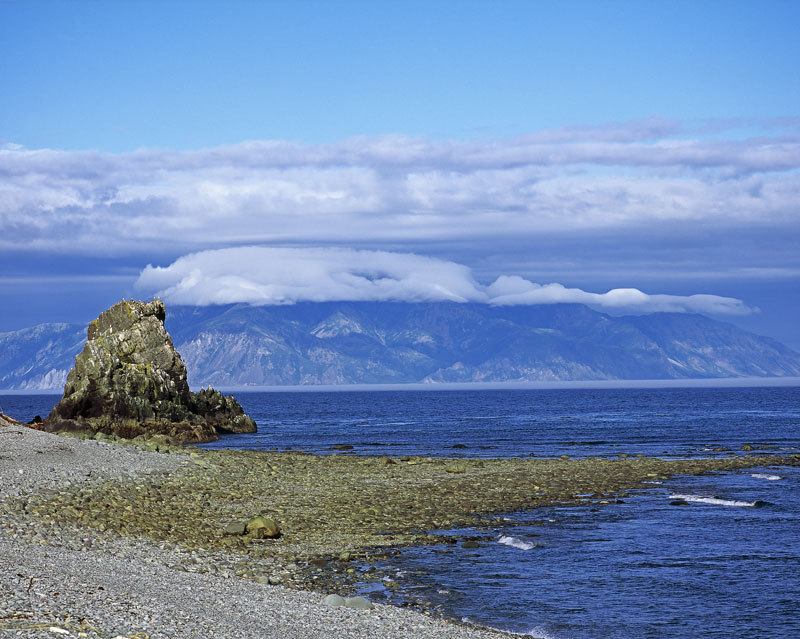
[129, 381]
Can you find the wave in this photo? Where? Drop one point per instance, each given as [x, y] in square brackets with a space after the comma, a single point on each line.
[540, 633]
[766, 476]
[716, 501]
[534, 633]
[514, 542]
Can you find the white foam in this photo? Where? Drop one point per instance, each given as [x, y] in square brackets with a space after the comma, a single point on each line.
[515, 543]
[714, 501]
[540, 633]
[533, 633]
[766, 476]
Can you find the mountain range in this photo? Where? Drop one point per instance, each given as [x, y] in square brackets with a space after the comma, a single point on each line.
[394, 342]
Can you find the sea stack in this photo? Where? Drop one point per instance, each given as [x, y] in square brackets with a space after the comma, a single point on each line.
[129, 381]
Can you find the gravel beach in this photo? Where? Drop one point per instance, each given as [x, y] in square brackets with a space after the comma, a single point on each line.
[64, 581]
[102, 539]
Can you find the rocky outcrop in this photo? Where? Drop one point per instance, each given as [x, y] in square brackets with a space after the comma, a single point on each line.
[129, 381]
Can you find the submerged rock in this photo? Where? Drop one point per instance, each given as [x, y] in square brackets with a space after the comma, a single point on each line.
[129, 381]
[679, 502]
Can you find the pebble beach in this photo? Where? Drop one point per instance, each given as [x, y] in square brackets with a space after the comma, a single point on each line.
[105, 539]
[65, 581]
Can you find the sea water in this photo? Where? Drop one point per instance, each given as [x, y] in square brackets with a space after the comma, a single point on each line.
[727, 564]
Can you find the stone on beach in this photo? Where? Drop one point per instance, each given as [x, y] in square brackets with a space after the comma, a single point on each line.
[262, 528]
[357, 603]
[235, 528]
[334, 601]
[129, 381]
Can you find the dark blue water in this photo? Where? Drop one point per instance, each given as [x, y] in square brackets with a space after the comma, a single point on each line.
[726, 565]
[518, 423]
[638, 569]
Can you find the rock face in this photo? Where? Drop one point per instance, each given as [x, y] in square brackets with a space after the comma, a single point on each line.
[129, 380]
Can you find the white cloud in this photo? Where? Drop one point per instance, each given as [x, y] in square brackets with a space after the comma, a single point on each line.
[259, 275]
[271, 276]
[372, 189]
[515, 291]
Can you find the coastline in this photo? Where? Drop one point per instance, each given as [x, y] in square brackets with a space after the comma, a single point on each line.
[685, 382]
[126, 536]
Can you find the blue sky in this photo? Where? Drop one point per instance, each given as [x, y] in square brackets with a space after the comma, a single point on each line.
[597, 145]
[118, 76]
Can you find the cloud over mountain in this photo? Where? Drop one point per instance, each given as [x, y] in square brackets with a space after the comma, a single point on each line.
[275, 276]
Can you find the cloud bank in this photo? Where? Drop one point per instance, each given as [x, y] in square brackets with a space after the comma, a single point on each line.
[273, 276]
[371, 190]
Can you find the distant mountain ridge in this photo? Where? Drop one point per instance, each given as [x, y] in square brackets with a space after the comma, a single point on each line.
[39, 357]
[388, 342]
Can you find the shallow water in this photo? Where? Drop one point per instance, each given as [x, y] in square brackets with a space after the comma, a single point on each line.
[643, 568]
[724, 565]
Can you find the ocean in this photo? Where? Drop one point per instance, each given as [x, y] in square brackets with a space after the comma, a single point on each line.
[725, 565]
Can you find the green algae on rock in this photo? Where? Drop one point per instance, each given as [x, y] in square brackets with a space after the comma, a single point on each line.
[130, 381]
[334, 509]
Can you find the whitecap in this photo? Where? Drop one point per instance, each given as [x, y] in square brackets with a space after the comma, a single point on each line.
[714, 501]
[766, 476]
[515, 543]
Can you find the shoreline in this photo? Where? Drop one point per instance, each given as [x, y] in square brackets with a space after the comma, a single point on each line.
[599, 384]
[164, 515]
